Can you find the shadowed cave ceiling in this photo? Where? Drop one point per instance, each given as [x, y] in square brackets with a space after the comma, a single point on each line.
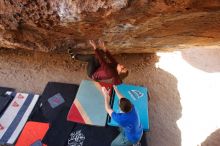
[127, 26]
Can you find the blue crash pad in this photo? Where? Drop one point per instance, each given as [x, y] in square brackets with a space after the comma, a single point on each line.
[138, 95]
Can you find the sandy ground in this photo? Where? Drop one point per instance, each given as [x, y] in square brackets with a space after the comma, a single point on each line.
[184, 87]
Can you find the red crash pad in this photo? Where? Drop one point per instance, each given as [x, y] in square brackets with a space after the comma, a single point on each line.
[32, 132]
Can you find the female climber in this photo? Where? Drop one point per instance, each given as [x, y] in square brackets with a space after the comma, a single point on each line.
[102, 66]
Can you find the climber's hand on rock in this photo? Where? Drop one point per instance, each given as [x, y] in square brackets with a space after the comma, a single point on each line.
[92, 43]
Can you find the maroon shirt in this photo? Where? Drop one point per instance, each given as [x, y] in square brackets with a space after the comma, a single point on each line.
[107, 69]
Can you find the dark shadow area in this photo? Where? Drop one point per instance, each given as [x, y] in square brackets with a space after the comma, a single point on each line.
[207, 60]
[213, 139]
[164, 105]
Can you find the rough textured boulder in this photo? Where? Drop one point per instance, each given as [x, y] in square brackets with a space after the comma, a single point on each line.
[128, 26]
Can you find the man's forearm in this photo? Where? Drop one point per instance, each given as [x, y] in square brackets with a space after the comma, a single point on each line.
[107, 100]
[108, 108]
[119, 94]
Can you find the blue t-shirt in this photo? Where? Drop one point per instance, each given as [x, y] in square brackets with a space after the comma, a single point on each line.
[131, 124]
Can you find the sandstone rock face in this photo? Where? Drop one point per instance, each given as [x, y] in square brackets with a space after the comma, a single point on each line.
[127, 26]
